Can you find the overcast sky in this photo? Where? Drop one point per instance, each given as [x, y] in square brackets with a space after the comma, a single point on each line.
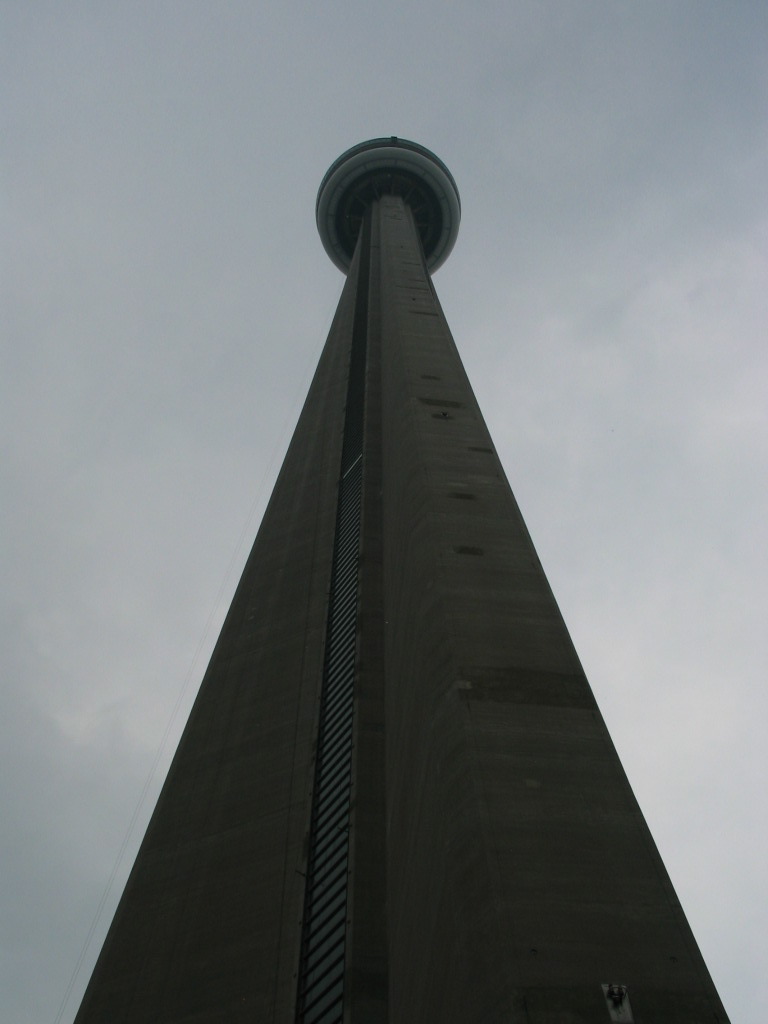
[165, 299]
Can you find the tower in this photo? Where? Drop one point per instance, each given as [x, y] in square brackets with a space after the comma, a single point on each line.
[395, 799]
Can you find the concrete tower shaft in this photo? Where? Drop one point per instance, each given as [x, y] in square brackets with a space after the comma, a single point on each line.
[395, 800]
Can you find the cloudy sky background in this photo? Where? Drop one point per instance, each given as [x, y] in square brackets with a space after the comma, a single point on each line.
[165, 300]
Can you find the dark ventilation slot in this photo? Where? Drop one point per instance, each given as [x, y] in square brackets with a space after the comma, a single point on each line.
[442, 403]
[324, 925]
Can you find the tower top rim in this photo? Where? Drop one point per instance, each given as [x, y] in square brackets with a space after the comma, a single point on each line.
[388, 166]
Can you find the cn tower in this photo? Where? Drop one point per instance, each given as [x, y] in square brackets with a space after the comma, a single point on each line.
[395, 800]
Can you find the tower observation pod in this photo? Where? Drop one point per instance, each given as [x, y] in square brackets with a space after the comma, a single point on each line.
[395, 800]
[388, 167]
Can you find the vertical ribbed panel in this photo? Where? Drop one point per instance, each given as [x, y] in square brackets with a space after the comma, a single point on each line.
[324, 927]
